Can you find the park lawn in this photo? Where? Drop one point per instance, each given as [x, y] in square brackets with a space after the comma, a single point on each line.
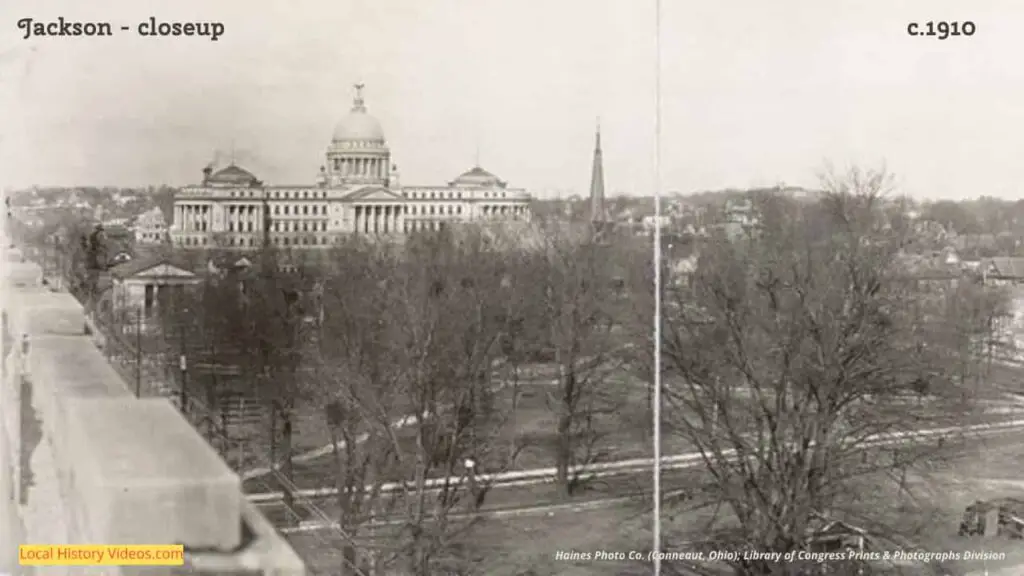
[525, 544]
[622, 433]
[1005, 378]
[930, 516]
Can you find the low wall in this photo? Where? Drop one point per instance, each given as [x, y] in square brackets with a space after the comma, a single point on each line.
[82, 461]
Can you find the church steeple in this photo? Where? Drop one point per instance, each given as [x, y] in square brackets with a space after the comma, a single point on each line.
[597, 209]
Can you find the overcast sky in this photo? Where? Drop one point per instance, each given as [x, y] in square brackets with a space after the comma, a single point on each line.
[754, 93]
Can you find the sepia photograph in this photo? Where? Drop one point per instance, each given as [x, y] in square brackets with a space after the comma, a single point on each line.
[496, 288]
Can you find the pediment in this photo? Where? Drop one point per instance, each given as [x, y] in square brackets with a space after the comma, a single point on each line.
[373, 193]
[164, 271]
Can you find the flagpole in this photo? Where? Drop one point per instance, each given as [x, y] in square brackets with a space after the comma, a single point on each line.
[656, 396]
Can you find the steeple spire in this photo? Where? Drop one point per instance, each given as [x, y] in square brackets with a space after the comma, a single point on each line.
[358, 104]
[597, 210]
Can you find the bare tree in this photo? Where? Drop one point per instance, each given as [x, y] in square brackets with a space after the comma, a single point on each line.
[358, 386]
[448, 303]
[277, 341]
[574, 318]
[791, 353]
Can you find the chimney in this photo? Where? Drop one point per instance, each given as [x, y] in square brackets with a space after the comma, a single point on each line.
[393, 180]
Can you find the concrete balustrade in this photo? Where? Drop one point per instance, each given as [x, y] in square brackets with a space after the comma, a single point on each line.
[138, 460]
[105, 467]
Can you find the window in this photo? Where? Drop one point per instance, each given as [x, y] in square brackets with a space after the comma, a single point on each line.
[314, 210]
[286, 210]
[277, 209]
[305, 210]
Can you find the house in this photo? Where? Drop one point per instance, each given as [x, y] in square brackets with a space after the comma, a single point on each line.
[740, 217]
[949, 256]
[141, 285]
[1003, 271]
[151, 228]
[835, 535]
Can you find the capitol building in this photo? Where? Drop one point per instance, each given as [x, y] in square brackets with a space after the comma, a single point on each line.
[357, 192]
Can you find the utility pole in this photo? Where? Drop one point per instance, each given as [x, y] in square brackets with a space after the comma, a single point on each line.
[183, 366]
[138, 353]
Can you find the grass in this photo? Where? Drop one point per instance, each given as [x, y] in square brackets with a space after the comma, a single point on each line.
[529, 422]
[528, 544]
[929, 515]
[524, 545]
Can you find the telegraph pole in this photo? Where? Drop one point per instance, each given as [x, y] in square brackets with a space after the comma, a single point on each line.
[183, 366]
[138, 353]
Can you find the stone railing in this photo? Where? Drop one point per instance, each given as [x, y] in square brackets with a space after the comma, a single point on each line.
[82, 461]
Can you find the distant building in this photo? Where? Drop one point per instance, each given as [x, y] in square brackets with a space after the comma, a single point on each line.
[150, 228]
[142, 285]
[740, 218]
[357, 192]
[648, 223]
[1003, 271]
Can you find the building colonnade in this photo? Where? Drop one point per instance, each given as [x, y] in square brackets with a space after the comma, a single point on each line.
[361, 167]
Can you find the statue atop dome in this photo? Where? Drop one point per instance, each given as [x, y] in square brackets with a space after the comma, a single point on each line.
[358, 104]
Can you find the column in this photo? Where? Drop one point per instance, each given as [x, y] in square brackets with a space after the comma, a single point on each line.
[386, 221]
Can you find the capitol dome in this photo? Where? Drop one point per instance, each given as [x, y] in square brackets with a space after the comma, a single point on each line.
[233, 176]
[477, 178]
[358, 125]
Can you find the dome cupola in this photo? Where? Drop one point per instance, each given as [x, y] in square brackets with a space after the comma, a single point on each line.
[359, 125]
